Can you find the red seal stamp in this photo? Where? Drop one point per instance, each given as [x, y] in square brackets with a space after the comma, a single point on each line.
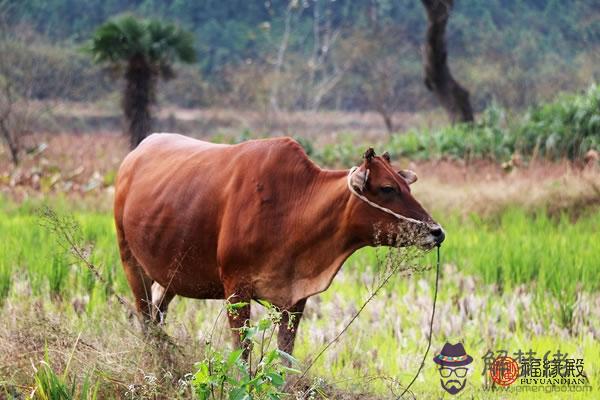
[504, 371]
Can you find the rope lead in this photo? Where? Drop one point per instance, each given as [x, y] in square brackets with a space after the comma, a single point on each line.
[435, 293]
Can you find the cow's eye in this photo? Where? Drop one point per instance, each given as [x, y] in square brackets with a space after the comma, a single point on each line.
[387, 189]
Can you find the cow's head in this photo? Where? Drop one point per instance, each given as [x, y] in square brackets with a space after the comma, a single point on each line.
[382, 191]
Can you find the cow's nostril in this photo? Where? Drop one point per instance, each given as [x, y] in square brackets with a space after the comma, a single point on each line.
[438, 235]
[436, 232]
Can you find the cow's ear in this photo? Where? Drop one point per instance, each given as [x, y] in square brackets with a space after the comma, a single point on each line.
[359, 179]
[408, 175]
[386, 156]
[369, 154]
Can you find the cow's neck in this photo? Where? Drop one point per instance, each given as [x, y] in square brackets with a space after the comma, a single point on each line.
[334, 206]
[332, 236]
[349, 227]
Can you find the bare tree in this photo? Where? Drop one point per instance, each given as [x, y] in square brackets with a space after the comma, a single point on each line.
[383, 70]
[7, 95]
[306, 83]
[10, 136]
[438, 79]
[324, 70]
[19, 113]
[280, 57]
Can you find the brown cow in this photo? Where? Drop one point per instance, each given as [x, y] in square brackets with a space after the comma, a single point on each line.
[256, 220]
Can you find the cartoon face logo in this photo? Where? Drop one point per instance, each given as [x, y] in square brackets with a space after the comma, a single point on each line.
[452, 364]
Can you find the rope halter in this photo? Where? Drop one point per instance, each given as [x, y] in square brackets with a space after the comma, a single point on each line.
[375, 205]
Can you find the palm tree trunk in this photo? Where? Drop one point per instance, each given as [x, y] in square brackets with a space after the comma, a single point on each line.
[137, 99]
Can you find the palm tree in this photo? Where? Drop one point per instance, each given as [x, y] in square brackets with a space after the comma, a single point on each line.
[145, 50]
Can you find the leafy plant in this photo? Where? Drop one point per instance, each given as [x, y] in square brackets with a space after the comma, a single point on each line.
[565, 128]
[229, 375]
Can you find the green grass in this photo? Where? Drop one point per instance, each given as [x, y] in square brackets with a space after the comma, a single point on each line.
[553, 254]
[516, 272]
[519, 248]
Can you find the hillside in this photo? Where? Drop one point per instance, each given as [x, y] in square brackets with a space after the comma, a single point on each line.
[513, 52]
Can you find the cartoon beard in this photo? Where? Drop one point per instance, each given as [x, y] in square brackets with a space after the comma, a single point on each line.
[453, 386]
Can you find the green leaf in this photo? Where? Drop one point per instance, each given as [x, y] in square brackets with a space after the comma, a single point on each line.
[291, 370]
[233, 357]
[249, 333]
[237, 306]
[265, 303]
[276, 379]
[285, 356]
[239, 393]
[264, 324]
[270, 356]
[201, 376]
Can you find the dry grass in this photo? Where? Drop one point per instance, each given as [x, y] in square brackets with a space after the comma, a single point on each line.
[486, 190]
[84, 167]
[386, 341]
[206, 122]
[105, 347]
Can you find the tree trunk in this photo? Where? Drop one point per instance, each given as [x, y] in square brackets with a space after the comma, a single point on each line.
[438, 79]
[387, 119]
[276, 82]
[137, 99]
[12, 144]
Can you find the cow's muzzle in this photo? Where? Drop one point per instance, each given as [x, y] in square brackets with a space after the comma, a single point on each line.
[438, 234]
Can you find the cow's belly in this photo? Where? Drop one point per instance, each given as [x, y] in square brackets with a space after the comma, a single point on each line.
[193, 282]
[177, 257]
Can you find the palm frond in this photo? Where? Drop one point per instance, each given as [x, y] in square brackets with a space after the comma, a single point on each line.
[122, 38]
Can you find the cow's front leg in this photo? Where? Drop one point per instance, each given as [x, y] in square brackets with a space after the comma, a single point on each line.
[239, 317]
[290, 320]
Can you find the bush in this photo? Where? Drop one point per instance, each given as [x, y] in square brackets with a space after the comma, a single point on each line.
[43, 71]
[565, 128]
[228, 375]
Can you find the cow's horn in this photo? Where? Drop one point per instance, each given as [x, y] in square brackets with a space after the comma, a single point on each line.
[369, 154]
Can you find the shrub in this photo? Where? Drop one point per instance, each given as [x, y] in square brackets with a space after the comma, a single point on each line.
[228, 375]
[565, 128]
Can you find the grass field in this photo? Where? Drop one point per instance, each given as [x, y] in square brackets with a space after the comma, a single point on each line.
[518, 197]
[514, 280]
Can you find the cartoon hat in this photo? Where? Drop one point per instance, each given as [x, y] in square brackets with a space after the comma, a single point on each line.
[453, 355]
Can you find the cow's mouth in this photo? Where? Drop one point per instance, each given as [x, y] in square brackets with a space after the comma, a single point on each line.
[433, 238]
[423, 236]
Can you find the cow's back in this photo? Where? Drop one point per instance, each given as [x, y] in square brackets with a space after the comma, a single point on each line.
[186, 206]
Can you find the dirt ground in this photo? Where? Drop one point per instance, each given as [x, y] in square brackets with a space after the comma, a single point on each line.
[85, 165]
[320, 127]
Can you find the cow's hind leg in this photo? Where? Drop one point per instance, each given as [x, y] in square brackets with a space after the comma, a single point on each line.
[141, 286]
[290, 319]
[161, 297]
[139, 282]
